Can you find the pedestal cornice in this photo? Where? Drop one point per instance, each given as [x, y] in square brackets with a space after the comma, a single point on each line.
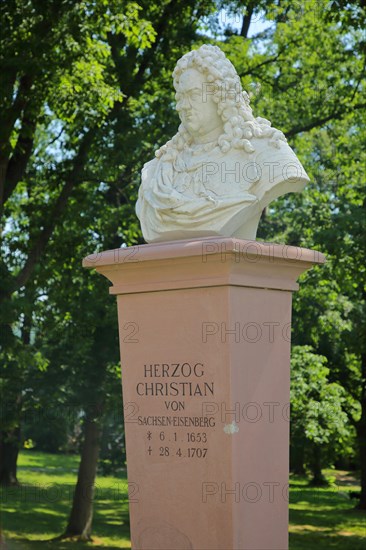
[203, 262]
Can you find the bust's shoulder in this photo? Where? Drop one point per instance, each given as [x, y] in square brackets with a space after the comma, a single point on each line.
[280, 170]
[150, 164]
[278, 151]
[148, 169]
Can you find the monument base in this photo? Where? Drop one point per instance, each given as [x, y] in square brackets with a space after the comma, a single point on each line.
[205, 350]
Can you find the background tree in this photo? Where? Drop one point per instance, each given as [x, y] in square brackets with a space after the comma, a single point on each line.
[319, 424]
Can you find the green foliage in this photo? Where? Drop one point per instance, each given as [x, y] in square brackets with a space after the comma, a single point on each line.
[318, 418]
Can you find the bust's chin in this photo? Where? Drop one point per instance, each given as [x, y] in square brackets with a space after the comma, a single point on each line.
[200, 134]
[192, 127]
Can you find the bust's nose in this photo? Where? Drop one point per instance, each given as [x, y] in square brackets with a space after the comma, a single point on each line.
[185, 103]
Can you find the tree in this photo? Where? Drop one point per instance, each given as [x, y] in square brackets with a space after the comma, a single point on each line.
[319, 424]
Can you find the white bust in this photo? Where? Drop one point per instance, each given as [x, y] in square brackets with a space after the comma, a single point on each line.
[223, 167]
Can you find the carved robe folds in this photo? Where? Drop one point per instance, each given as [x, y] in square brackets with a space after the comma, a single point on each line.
[202, 191]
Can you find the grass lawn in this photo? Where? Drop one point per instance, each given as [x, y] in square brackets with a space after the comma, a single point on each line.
[39, 508]
[320, 519]
[325, 518]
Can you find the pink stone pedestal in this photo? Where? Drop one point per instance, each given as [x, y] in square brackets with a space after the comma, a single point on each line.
[205, 349]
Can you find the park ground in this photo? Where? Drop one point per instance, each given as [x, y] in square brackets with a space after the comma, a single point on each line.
[32, 514]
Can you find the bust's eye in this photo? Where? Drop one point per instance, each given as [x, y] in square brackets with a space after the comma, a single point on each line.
[195, 95]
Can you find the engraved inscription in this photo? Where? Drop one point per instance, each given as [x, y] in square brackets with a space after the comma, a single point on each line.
[185, 435]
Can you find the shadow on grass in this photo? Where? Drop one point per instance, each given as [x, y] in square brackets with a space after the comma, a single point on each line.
[325, 541]
[324, 518]
[41, 511]
[54, 545]
[47, 461]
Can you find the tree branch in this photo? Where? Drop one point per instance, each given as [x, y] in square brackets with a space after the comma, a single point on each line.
[41, 242]
[270, 60]
[247, 19]
[7, 122]
[8, 119]
[18, 162]
[336, 115]
[128, 87]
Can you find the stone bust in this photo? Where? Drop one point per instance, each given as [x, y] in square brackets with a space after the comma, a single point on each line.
[223, 167]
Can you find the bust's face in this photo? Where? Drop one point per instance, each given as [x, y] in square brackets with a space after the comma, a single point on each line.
[195, 105]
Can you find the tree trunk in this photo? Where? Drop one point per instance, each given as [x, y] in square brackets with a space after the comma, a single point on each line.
[247, 19]
[316, 469]
[9, 450]
[11, 412]
[80, 520]
[361, 435]
[297, 460]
